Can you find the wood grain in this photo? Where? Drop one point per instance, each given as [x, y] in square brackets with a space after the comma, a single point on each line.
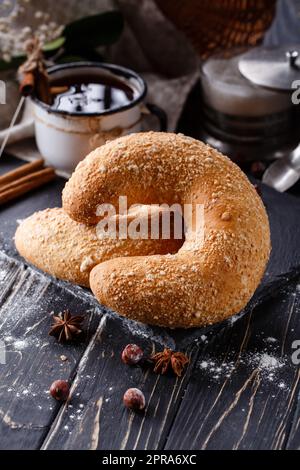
[98, 419]
[249, 408]
[32, 358]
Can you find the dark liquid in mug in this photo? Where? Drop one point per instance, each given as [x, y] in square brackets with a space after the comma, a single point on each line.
[91, 94]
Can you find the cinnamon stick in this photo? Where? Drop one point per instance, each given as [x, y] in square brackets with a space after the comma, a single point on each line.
[22, 188]
[57, 90]
[35, 176]
[42, 88]
[27, 84]
[21, 171]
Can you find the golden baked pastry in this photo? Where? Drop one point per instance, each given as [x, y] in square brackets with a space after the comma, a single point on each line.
[68, 250]
[214, 274]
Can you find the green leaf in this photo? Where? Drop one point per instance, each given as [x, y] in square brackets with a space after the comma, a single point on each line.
[65, 59]
[53, 45]
[93, 31]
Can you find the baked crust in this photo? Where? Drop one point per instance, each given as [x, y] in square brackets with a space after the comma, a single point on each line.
[68, 250]
[202, 283]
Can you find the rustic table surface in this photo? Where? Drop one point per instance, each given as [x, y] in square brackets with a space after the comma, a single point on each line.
[241, 387]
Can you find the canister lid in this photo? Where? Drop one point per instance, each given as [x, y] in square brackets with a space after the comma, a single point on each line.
[275, 68]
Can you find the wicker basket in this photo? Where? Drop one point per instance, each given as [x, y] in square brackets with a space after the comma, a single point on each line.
[215, 25]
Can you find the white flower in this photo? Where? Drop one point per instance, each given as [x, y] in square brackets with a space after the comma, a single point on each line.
[41, 37]
[26, 30]
[7, 3]
[3, 28]
[23, 23]
[6, 57]
[38, 14]
[43, 27]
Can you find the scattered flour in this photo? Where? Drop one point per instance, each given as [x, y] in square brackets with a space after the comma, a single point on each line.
[268, 365]
[20, 344]
[270, 339]
[267, 362]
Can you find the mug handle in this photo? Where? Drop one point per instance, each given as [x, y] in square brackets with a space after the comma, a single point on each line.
[160, 114]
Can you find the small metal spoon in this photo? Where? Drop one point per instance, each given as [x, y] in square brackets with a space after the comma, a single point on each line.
[285, 172]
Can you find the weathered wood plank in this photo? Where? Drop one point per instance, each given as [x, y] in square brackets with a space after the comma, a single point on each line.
[32, 358]
[243, 392]
[96, 417]
[244, 410]
[293, 441]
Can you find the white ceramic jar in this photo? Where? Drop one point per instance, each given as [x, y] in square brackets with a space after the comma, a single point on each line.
[243, 120]
[65, 138]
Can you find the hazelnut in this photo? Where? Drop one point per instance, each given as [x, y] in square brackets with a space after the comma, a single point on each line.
[60, 390]
[134, 399]
[132, 354]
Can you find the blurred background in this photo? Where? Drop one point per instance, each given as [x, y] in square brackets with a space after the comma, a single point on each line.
[188, 52]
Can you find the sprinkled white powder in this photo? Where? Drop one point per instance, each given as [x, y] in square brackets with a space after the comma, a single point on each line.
[269, 362]
[204, 365]
[270, 339]
[282, 385]
[268, 366]
[20, 344]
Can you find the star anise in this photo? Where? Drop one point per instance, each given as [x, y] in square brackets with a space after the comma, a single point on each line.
[66, 326]
[163, 360]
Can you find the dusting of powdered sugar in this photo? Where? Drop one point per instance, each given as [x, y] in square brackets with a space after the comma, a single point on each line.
[270, 339]
[268, 366]
[3, 274]
[20, 344]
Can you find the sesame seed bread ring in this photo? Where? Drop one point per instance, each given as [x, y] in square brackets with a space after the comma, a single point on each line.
[68, 250]
[202, 283]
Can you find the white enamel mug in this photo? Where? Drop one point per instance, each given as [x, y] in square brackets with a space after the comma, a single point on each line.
[65, 138]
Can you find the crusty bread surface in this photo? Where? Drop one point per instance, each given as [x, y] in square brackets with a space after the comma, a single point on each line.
[216, 271]
[68, 250]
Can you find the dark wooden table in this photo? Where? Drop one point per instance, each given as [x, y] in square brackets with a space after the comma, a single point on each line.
[240, 390]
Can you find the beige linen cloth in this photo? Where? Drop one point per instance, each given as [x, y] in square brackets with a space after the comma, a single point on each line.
[149, 44]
